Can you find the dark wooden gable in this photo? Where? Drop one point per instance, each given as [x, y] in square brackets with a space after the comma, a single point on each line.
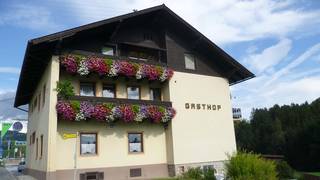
[155, 28]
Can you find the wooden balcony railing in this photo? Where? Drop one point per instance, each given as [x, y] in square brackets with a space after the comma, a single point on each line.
[117, 101]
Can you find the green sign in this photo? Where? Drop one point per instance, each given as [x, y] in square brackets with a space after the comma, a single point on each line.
[5, 128]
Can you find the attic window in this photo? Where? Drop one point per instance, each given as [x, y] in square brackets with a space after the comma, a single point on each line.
[189, 60]
[107, 50]
[147, 36]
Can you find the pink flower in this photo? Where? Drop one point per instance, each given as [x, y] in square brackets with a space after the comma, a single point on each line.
[100, 113]
[127, 113]
[69, 63]
[169, 74]
[127, 69]
[155, 114]
[65, 111]
[96, 64]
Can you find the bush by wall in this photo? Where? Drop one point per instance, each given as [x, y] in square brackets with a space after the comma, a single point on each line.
[198, 174]
[284, 170]
[249, 166]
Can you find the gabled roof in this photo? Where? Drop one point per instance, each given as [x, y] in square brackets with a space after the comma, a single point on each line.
[39, 51]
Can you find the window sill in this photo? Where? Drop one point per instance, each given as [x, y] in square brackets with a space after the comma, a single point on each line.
[88, 155]
[132, 153]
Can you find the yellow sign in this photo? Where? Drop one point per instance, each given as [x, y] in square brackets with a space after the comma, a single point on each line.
[69, 135]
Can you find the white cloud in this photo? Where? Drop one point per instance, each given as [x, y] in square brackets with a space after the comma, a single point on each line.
[13, 70]
[223, 21]
[308, 54]
[287, 85]
[29, 16]
[281, 93]
[270, 56]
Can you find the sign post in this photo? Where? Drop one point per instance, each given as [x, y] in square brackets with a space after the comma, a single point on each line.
[70, 136]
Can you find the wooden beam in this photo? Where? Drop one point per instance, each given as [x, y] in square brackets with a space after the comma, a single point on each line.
[114, 33]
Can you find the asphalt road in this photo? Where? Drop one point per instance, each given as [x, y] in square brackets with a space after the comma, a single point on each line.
[11, 173]
[13, 169]
[6, 175]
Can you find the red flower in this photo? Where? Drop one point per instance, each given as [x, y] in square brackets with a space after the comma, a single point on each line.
[100, 112]
[96, 64]
[69, 63]
[154, 114]
[127, 113]
[65, 111]
[127, 69]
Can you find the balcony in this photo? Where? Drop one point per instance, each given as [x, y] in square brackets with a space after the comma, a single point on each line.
[118, 101]
[86, 63]
[112, 110]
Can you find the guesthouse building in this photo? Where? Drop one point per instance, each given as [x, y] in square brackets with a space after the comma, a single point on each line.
[138, 96]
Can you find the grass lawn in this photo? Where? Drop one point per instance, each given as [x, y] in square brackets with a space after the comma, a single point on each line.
[314, 173]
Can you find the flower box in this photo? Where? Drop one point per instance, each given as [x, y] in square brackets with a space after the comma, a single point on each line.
[74, 110]
[108, 68]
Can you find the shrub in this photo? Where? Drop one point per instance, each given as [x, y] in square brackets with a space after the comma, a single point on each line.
[198, 174]
[284, 170]
[208, 174]
[248, 166]
[65, 89]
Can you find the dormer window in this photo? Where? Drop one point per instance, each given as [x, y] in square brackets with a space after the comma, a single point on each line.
[189, 60]
[139, 53]
[107, 50]
[147, 36]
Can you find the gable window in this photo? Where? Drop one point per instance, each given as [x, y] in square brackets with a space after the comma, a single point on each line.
[189, 61]
[35, 102]
[33, 137]
[37, 148]
[39, 101]
[135, 142]
[133, 92]
[41, 146]
[155, 94]
[139, 53]
[107, 50]
[44, 94]
[88, 143]
[109, 91]
[147, 36]
[87, 89]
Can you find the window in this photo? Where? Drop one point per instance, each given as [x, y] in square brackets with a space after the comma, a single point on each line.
[133, 92]
[87, 89]
[109, 91]
[92, 176]
[189, 60]
[41, 146]
[35, 102]
[107, 50]
[37, 148]
[88, 143]
[39, 100]
[147, 36]
[33, 137]
[136, 172]
[43, 95]
[135, 142]
[155, 94]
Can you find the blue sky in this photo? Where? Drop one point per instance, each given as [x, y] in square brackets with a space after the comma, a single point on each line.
[277, 40]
